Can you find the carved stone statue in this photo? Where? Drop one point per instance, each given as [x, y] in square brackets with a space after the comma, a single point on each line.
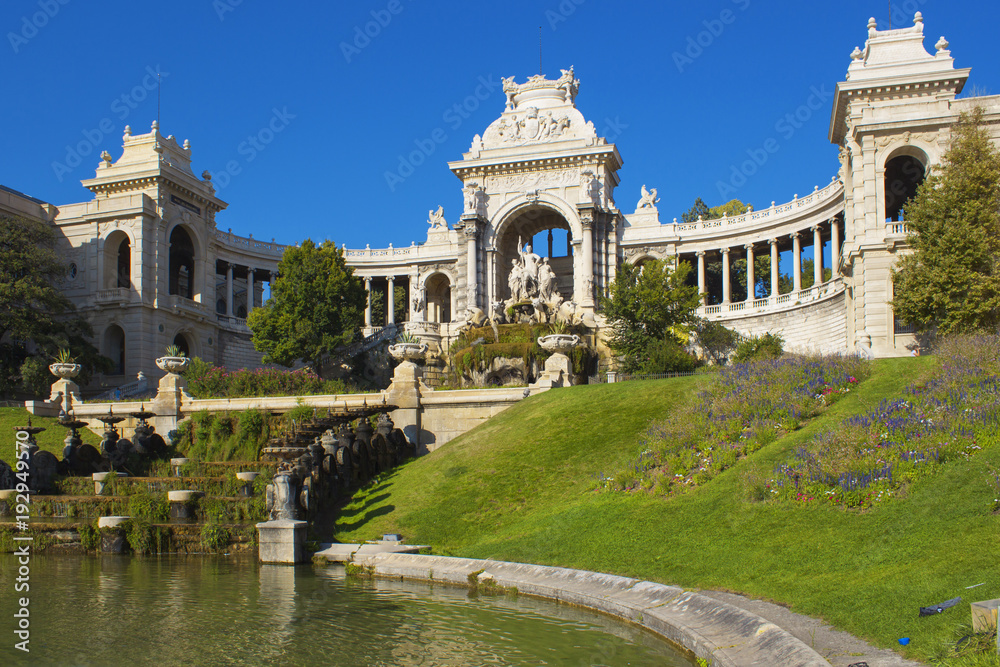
[648, 199]
[546, 282]
[475, 199]
[516, 280]
[436, 218]
[509, 89]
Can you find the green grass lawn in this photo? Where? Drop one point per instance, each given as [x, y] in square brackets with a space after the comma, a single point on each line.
[51, 439]
[523, 487]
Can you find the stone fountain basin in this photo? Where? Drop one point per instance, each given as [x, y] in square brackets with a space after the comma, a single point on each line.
[247, 476]
[112, 521]
[559, 343]
[103, 476]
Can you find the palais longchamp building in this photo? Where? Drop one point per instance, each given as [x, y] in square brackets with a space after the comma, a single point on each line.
[149, 267]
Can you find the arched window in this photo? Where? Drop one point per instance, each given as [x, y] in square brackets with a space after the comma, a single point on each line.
[117, 260]
[181, 281]
[180, 340]
[903, 175]
[114, 348]
[438, 298]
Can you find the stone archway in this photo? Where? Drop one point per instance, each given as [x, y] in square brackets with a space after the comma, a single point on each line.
[540, 230]
[438, 288]
[117, 260]
[905, 171]
[114, 348]
[181, 262]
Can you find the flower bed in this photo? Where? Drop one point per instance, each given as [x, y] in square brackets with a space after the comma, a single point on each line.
[873, 456]
[746, 407]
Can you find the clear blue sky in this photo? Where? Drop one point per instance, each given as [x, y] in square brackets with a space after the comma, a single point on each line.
[229, 64]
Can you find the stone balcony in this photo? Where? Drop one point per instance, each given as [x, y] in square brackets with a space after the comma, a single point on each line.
[233, 323]
[115, 295]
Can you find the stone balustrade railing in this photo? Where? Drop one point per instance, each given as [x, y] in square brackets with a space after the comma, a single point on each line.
[771, 304]
[897, 229]
[250, 243]
[831, 191]
[234, 323]
[112, 295]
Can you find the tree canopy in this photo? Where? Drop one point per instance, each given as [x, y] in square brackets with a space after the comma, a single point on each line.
[649, 306]
[951, 281]
[316, 305]
[701, 209]
[36, 319]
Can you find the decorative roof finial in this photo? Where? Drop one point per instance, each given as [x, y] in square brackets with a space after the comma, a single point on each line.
[128, 130]
[872, 23]
[156, 125]
[942, 45]
[187, 144]
[918, 18]
[857, 54]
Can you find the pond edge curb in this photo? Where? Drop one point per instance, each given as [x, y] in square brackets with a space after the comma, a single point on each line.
[721, 633]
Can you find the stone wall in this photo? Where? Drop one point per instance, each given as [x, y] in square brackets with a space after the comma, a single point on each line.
[819, 327]
[445, 415]
[236, 350]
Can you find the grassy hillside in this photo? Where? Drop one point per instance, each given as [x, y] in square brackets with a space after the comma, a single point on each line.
[51, 439]
[525, 487]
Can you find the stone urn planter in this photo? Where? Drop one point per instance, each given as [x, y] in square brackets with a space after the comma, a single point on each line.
[173, 365]
[65, 371]
[559, 343]
[558, 367]
[414, 352]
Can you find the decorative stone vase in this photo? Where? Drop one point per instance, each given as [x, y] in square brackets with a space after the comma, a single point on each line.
[173, 365]
[65, 371]
[415, 352]
[559, 343]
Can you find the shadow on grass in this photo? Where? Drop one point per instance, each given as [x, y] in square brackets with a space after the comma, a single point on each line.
[381, 511]
[371, 500]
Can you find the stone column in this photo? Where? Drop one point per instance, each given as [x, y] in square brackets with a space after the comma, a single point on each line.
[249, 291]
[550, 244]
[472, 264]
[726, 289]
[229, 290]
[587, 261]
[796, 262]
[390, 314]
[751, 292]
[368, 303]
[834, 248]
[817, 257]
[775, 259]
[701, 277]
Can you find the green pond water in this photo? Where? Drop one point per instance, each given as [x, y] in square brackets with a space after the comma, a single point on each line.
[204, 610]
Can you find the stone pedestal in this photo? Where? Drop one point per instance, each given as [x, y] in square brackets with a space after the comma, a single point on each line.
[170, 394]
[281, 541]
[7, 502]
[182, 503]
[112, 534]
[247, 478]
[176, 464]
[558, 373]
[404, 392]
[101, 479]
[65, 394]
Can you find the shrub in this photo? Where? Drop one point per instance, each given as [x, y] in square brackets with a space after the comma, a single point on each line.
[668, 356]
[768, 346]
[208, 381]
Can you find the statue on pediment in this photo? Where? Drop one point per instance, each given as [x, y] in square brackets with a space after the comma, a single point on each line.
[648, 199]
[436, 218]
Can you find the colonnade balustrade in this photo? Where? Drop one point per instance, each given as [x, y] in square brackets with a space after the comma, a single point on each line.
[226, 308]
[821, 286]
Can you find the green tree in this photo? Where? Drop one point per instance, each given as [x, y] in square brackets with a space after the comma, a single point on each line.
[316, 305]
[36, 319]
[700, 209]
[716, 340]
[648, 305]
[951, 281]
